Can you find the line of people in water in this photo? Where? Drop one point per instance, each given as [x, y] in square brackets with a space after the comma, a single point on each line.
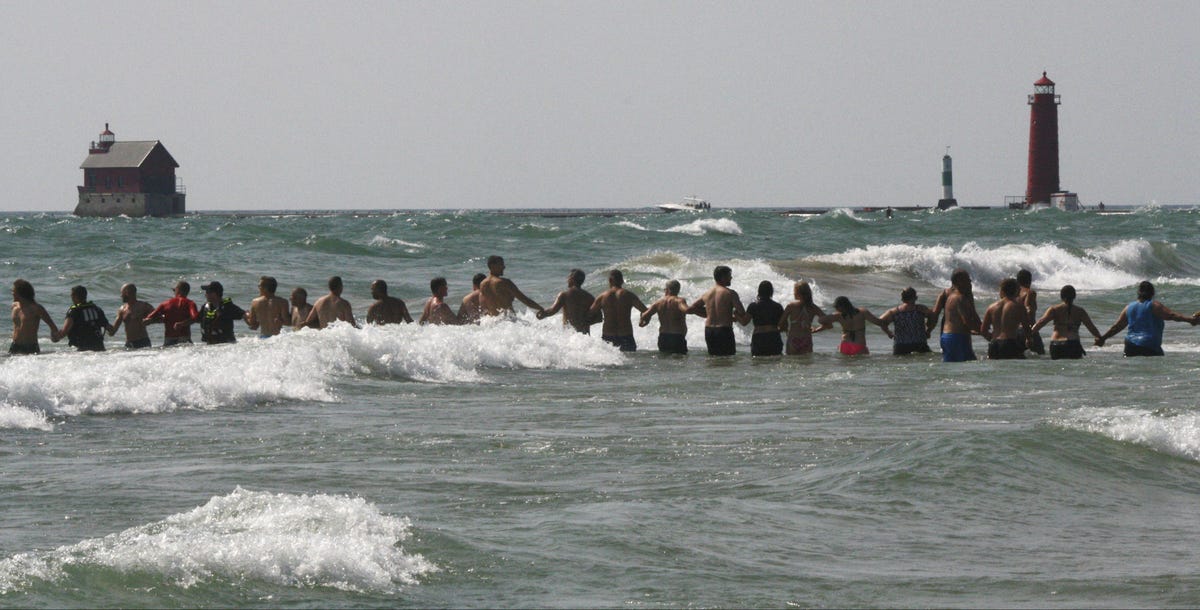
[1010, 324]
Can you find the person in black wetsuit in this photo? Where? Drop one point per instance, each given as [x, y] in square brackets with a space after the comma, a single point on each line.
[765, 313]
[85, 324]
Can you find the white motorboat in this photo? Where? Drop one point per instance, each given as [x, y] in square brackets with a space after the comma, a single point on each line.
[689, 204]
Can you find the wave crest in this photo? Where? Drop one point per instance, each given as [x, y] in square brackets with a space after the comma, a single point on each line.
[285, 539]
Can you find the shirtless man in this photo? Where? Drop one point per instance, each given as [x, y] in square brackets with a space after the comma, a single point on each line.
[132, 313]
[672, 320]
[471, 310]
[27, 315]
[331, 307]
[176, 315]
[1008, 318]
[961, 319]
[436, 310]
[616, 303]
[268, 313]
[1027, 297]
[720, 307]
[575, 303]
[497, 293]
[386, 309]
[300, 307]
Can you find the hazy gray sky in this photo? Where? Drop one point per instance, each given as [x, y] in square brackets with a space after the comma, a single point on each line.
[601, 104]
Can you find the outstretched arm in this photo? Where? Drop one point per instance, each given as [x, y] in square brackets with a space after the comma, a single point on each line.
[1118, 326]
[1046, 318]
[553, 309]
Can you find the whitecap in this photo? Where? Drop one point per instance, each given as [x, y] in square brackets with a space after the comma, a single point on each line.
[703, 226]
[284, 539]
[22, 418]
[1174, 434]
[379, 241]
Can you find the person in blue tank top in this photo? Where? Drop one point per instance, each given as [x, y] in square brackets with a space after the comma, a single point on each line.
[1144, 317]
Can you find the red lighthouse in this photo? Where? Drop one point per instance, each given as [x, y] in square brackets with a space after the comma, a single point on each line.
[1043, 143]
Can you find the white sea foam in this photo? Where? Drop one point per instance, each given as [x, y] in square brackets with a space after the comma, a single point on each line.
[283, 539]
[702, 226]
[379, 241]
[1174, 434]
[304, 366]
[630, 225]
[22, 418]
[1102, 268]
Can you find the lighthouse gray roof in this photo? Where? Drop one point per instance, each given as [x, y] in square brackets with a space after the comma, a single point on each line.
[124, 154]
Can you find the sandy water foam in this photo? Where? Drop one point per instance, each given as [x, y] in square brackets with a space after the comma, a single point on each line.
[301, 366]
[283, 539]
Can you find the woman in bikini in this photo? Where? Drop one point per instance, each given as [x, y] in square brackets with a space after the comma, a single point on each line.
[1066, 317]
[797, 320]
[854, 326]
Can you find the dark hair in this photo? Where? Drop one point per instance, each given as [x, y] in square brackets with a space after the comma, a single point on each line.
[960, 276]
[79, 292]
[804, 290]
[722, 271]
[1009, 287]
[380, 284]
[435, 283]
[616, 277]
[301, 291]
[494, 259]
[269, 283]
[1067, 294]
[909, 295]
[844, 306]
[1145, 291]
[765, 290]
[23, 289]
[577, 276]
[335, 282]
[1024, 278]
[673, 288]
[478, 279]
[183, 288]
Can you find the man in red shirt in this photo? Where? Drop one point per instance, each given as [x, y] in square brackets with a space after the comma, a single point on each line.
[176, 314]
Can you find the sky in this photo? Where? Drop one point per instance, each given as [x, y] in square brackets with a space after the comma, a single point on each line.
[580, 104]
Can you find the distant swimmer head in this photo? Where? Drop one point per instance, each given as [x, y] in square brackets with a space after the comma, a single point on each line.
[1009, 287]
[378, 289]
[214, 287]
[182, 288]
[495, 264]
[268, 284]
[335, 284]
[79, 294]
[22, 289]
[478, 279]
[908, 295]
[1067, 294]
[765, 290]
[128, 293]
[673, 287]
[299, 295]
[1024, 278]
[1145, 291]
[575, 278]
[616, 279]
[723, 275]
[844, 306]
[437, 287]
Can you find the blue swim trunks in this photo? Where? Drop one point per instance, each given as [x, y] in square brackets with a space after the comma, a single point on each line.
[956, 347]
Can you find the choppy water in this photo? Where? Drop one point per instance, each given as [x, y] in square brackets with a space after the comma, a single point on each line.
[518, 464]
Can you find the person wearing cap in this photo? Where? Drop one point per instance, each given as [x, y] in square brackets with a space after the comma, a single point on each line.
[217, 315]
[176, 315]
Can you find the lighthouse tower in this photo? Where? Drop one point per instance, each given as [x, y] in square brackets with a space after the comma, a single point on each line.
[947, 201]
[1043, 143]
